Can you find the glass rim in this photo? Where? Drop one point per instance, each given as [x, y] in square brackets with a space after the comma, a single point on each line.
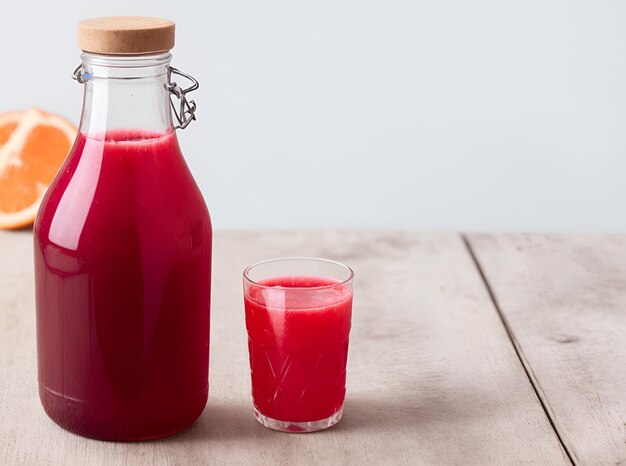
[138, 60]
[247, 278]
[124, 67]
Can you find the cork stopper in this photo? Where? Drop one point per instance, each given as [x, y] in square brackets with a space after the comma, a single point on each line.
[125, 35]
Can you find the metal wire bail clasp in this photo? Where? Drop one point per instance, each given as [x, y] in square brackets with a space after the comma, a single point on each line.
[187, 108]
[79, 76]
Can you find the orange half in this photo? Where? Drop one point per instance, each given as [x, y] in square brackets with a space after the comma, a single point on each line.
[33, 145]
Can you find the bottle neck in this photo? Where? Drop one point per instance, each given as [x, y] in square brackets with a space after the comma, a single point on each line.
[127, 94]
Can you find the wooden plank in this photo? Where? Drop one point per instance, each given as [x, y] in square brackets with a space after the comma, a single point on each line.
[564, 299]
[432, 375]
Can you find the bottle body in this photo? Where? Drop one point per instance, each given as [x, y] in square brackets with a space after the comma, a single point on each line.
[122, 274]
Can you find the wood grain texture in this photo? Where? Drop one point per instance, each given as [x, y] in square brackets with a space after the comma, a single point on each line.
[432, 375]
[120, 35]
[564, 299]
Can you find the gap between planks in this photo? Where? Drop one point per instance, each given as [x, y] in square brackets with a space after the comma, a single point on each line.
[518, 350]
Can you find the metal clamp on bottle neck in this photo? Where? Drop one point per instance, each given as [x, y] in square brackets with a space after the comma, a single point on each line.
[187, 108]
[184, 113]
[79, 76]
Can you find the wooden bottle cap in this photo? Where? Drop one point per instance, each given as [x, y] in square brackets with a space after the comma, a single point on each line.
[125, 35]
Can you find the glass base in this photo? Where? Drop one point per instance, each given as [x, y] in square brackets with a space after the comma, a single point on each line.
[298, 427]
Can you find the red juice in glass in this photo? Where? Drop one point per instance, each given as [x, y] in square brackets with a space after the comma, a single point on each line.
[122, 261]
[298, 328]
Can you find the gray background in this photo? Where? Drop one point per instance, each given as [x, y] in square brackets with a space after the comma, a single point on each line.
[387, 114]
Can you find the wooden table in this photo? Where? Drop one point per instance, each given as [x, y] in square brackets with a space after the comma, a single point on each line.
[484, 349]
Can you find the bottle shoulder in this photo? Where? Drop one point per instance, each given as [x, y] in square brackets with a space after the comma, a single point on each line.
[118, 190]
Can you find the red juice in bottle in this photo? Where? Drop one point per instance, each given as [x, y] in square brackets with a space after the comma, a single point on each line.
[122, 260]
[298, 328]
[122, 248]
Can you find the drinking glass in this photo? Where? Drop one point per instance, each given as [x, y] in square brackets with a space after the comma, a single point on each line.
[298, 318]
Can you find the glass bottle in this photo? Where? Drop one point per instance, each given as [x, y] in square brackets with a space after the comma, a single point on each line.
[123, 257]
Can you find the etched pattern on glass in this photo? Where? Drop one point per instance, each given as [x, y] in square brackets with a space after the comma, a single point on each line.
[298, 385]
